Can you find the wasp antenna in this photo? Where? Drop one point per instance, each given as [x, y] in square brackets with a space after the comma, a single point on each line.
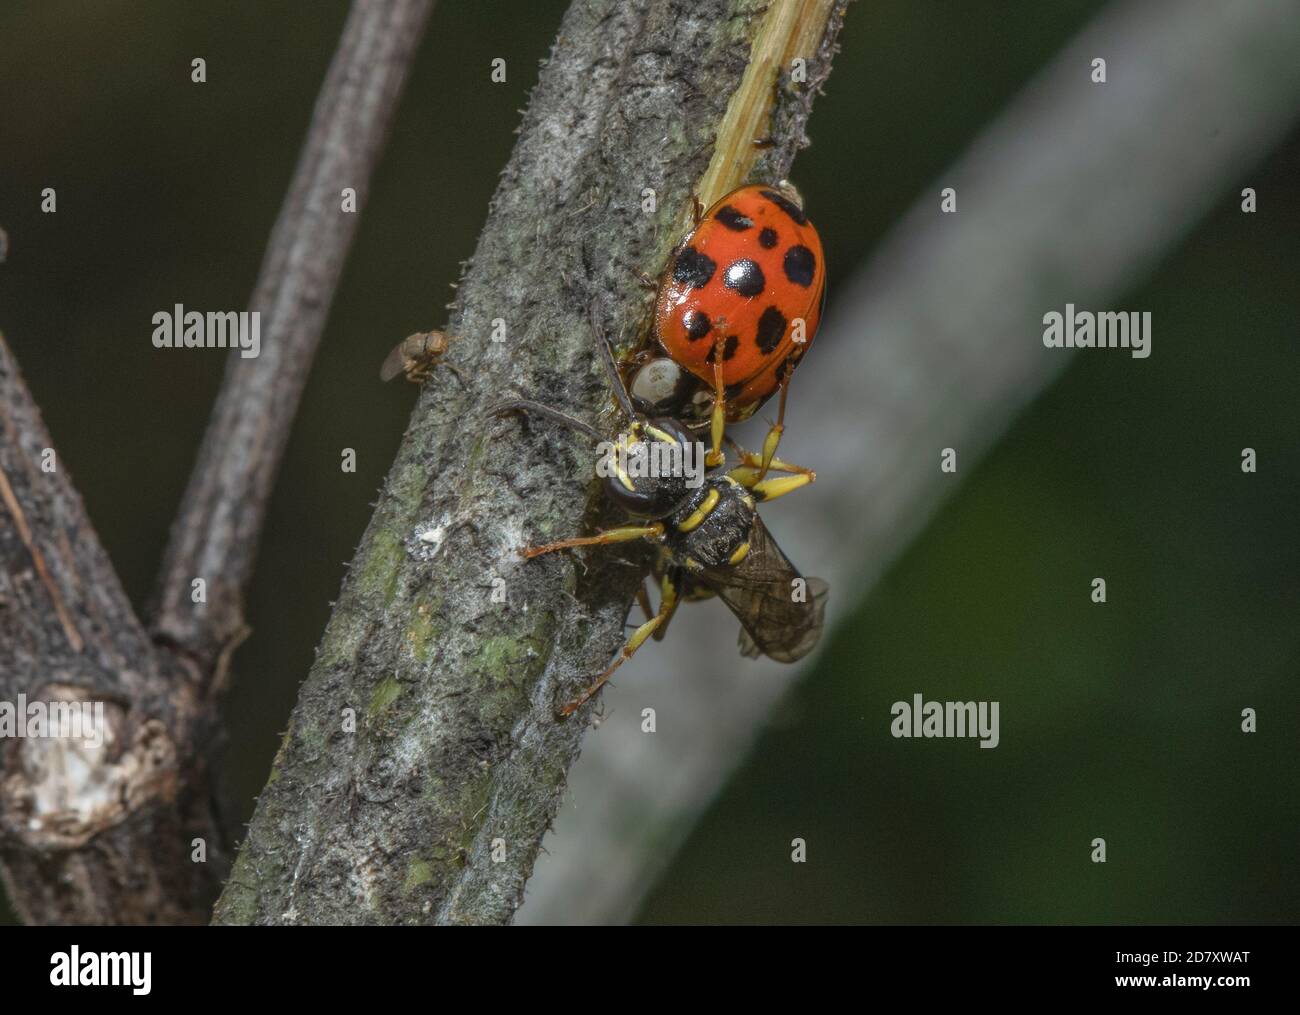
[611, 367]
[538, 409]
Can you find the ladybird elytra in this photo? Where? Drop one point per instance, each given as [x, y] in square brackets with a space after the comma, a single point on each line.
[743, 290]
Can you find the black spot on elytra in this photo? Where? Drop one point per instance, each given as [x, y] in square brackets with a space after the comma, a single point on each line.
[767, 238]
[697, 324]
[745, 276]
[787, 206]
[693, 268]
[800, 265]
[733, 219]
[728, 349]
[771, 328]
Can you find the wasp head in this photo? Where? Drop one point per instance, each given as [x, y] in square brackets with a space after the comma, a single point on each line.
[652, 468]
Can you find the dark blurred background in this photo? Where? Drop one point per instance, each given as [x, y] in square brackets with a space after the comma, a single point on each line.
[167, 191]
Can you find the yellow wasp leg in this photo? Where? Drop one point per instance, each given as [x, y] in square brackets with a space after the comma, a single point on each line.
[622, 534]
[771, 489]
[668, 600]
[773, 437]
[644, 600]
[666, 606]
[749, 472]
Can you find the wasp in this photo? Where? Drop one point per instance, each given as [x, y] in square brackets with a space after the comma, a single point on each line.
[709, 538]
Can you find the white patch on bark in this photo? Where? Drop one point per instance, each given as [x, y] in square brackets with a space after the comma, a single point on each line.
[61, 791]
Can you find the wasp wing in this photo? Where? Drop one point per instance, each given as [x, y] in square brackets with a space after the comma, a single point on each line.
[778, 618]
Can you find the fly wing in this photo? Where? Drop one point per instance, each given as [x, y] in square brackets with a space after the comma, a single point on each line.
[777, 619]
[394, 363]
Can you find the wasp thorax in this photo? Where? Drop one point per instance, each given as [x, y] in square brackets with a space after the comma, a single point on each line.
[651, 469]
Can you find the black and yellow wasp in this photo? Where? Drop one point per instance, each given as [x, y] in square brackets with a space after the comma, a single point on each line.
[710, 538]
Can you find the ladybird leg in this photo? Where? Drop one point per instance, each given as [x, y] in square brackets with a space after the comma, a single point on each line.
[718, 418]
[697, 210]
[666, 607]
[622, 534]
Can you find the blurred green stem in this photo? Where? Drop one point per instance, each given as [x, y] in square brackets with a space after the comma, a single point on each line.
[1072, 194]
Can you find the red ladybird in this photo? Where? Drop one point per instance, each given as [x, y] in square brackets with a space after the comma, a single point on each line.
[741, 298]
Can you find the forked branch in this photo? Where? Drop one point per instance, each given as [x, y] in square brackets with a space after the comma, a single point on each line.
[109, 837]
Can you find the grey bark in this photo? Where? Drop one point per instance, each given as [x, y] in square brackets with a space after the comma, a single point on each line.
[456, 743]
[107, 836]
[1073, 194]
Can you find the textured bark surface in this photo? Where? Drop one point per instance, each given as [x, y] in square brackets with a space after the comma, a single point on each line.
[103, 838]
[456, 745]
